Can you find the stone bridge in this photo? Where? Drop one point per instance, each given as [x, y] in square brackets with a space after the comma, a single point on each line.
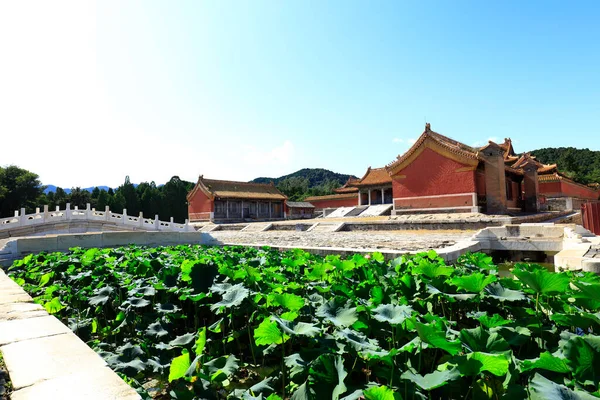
[79, 221]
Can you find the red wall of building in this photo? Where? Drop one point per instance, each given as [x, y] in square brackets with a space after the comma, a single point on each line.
[551, 189]
[432, 174]
[461, 200]
[333, 203]
[567, 189]
[200, 207]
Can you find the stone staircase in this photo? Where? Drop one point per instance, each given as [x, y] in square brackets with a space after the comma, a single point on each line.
[340, 212]
[593, 252]
[326, 227]
[257, 227]
[377, 210]
[210, 228]
[356, 211]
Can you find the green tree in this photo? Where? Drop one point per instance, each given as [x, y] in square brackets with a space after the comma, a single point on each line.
[117, 203]
[79, 198]
[61, 198]
[19, 188]
[150, 198]
[174, 202]
[295, 187]
[102, 201]
[132, 201]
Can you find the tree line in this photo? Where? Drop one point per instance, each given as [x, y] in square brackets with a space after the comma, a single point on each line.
[20, 188]
[581, 165]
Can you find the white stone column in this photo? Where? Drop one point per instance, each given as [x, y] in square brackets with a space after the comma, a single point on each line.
[68, 211]
[141, 219]
[369, 192]
[382, 195]
[22, 216]
[124, 217]
[156, 223]
[46, 213]
[359, 198]
[107, 213]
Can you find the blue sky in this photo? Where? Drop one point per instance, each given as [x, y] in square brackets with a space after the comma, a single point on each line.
[236, 90]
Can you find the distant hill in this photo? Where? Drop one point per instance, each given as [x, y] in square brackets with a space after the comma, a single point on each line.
[307, 182]
[582, 165]
[315, 176]
[52, 188]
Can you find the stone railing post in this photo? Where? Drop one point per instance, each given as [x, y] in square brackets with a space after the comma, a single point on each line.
[141, 220]
[68, 211]
[45, 212]
[156, 222]
[88, 212]
[22, 218]
[124, 218]
[107, 213]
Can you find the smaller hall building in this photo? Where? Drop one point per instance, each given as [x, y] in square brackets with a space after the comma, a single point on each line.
[230, 201]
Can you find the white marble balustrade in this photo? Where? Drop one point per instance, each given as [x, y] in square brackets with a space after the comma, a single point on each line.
[45, 216]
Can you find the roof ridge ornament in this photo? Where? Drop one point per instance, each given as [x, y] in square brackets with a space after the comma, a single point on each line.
[427, 127]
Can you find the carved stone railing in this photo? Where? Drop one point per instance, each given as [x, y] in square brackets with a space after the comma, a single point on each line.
[46, 216]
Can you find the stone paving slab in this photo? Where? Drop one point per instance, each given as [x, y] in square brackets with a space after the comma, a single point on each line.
[12, 311]
[78, 386]
[45, 360]
[54, 356]
[7, 298]
[31, 328]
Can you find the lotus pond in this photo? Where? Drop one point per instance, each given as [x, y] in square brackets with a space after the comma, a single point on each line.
[192, 322]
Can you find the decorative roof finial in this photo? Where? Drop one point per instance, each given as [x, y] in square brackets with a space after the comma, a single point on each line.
[427, 127]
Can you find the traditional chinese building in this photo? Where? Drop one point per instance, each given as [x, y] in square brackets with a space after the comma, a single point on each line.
[299, 209]
[440, 174]
[375, 187]
[437, 174]
[229, 201]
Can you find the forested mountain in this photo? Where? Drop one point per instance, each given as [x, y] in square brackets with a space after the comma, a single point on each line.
[52, 188]
[581, 165]
[307, 182]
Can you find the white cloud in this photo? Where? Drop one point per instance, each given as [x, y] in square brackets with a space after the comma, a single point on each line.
[397, 140]
[411, 141]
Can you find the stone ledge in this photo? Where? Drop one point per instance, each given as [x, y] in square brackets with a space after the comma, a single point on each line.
[12, 311]
[78, 386]
[54, 356]
[45, 360]
[30, 328]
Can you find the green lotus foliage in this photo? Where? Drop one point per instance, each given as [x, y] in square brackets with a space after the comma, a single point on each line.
[193, 322]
